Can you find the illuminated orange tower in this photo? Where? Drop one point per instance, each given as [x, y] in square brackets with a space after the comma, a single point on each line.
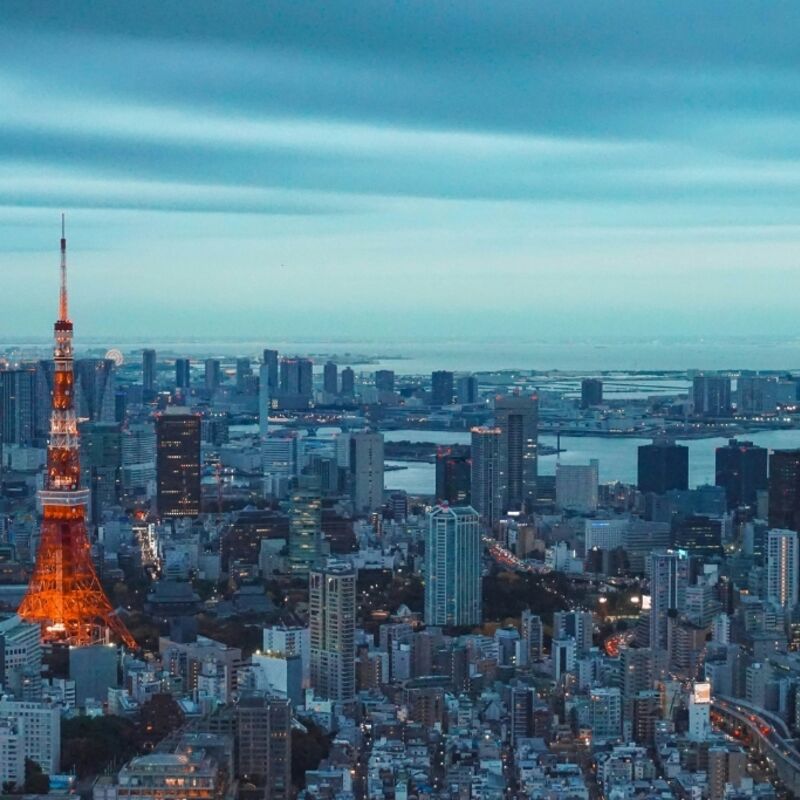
[64, 595]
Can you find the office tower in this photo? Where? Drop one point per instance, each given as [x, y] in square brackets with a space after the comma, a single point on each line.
[577, 625]
[453, 567]
[700, 536]
[453, 475]
[577, 486]
[663, 465]
[264, 400]
[270, 359]
[138, 458]
[563, 658]
[95, 389]
[384, 380]
[669, 579]
[532, 632]
[700, 712]
[183, 373]
[605, 713]
[441, 388]
[782, 568]
[485, 486]
[40, 724]
[712, 396]
[330, 378]
[20, 658]
[244, 370]
[64, 594]
[263, 739]
[213, 375]
[305, 526]
[467, 390]
[148, 373]
[101, 464]
[741, 469]
[784, 489]
[296, 382]
[178, 463]
[18, 407]
[517, 417]
[366, 471]
[591, 392]
[332, 622]
[348, 382]
[279, 453]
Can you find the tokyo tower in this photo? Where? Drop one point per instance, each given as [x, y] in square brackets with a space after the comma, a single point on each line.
[64, 595]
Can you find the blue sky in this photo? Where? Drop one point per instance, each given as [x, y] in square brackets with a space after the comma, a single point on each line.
[376, 169]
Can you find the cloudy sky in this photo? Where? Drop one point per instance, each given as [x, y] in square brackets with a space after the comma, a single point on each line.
[419, 168]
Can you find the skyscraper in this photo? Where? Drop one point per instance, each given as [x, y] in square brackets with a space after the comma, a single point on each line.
[741, 469]
[453, 475]
[699, 535]
[178, 463]
[330, 378]
[296, 382]
[366, 470]
[532, 634]
[244, 370]
[663, 465]
[485, 487]
[213, 375]
[148, 373]
[384, 380]
[712, 395]
[782, 568]
[784, 489]
[467, 390]
[270, 359]
[441, 388]
[95, 389]
[577, 486]
[517, 417]
[183, 374]
[669, 579]
[591, 392]
[305, 526]
[578, 625]
[17, 407]
[453, 567]
[348, 382]
[332, 623]
[264, 400]
[101, 464]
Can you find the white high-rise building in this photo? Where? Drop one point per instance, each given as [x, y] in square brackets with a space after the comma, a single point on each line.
[700, 712]
[332, 622]
[532, 637]
[294, 641]
[563, 656]
[41, 729]
[366, 470]
[782, 566]
[12, 753]
[453, 567]
[605, 534]
[576, 486]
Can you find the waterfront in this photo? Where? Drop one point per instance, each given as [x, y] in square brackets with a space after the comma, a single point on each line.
[617, 457]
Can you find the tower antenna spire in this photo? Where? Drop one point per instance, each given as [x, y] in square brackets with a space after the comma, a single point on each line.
[63, 313]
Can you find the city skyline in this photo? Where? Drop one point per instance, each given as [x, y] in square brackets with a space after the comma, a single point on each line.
[274, 170]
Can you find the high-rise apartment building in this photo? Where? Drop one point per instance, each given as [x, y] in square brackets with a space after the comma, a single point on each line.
[517, 417]
[178, 463]
[20, 658]
[244, 370]
[591, 392]
[453, 567]
[532, 635]
[264, 400]
[348, 382]
[485, 487]
[384, 380]
[784, 489]
[467, 390]
[270, 359]
[296, 388]
[669, 578]
[712, 395]
[782, 567]
[183, 373]
[332, 623]
[741, 469]
[366, 471]
[148, 373]
[578, 625]
[442, 388]
[663, 465]
[305, 526]
[40, 724]
[453, 475]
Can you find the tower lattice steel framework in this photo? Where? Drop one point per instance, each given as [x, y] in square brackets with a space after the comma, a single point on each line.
[64, 595]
